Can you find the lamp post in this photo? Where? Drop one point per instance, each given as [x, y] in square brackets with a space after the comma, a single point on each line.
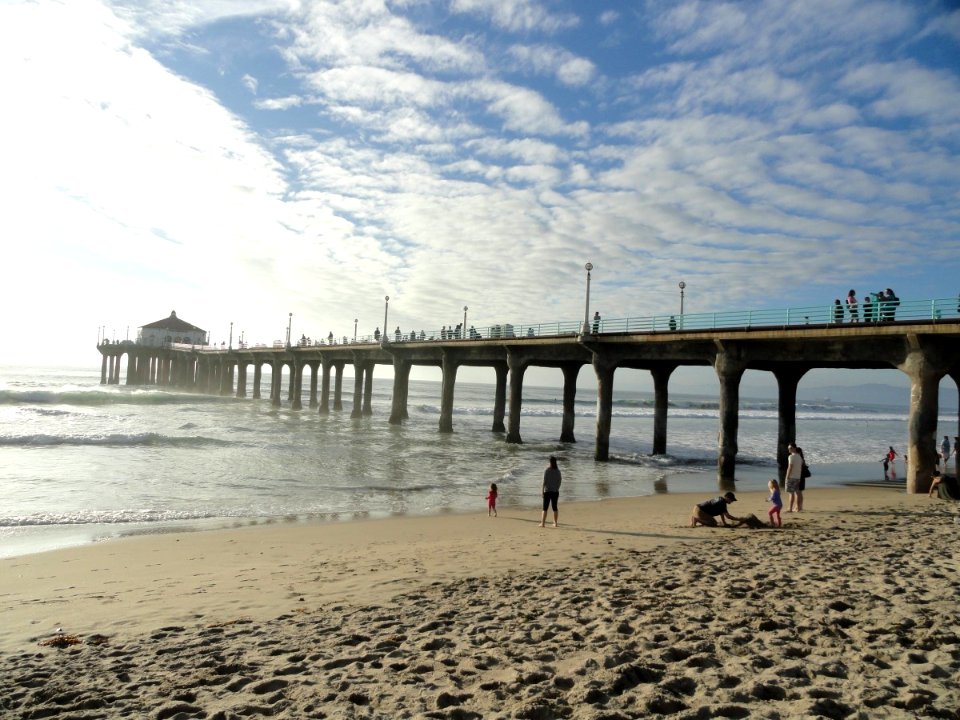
[355, 329]
[586, 310]
[682, 286]
[230, 344]
[464, 321]
[289, 326]
[386, 306]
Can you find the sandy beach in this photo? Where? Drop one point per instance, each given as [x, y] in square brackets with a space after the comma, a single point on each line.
[849, 611]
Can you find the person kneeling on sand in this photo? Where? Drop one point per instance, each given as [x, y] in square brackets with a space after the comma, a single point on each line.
[707, 512]
[935, 483]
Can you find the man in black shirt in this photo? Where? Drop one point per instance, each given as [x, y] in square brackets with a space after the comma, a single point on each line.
[707, 512]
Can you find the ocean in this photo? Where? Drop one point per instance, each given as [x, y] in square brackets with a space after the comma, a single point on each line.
[81, 462]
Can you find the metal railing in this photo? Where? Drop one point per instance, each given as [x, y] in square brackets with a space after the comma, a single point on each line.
[824, 315]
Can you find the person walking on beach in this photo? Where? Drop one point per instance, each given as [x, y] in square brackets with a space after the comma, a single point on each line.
[492, 500]
[707, 512]
[890, 458]
[775, 504]
[945, 451]
[852, 306]
[551, 491]
[792, 479]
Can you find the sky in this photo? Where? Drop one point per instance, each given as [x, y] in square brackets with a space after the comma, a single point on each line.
[241, 160]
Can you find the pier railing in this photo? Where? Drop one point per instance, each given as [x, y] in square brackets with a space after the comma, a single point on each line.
[935, 310]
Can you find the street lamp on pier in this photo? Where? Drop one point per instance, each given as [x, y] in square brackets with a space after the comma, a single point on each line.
[682, 286]
[386, 306]
[586, 310]
[289, 326]
[355, 329]
[230, 344]
[464, 321]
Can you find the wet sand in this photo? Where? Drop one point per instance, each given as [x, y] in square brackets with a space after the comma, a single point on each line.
[849, 611]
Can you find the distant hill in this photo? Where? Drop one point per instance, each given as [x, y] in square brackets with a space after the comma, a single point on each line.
[876, 394]
[864, 394]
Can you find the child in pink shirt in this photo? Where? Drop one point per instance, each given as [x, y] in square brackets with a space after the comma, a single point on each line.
[492, 500]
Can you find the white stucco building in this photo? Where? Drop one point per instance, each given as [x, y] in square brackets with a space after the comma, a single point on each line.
[171, 330]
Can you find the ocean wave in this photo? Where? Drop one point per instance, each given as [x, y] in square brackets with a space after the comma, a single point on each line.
[103, 397]
[46, 412]
[103, 517]
[112, 440]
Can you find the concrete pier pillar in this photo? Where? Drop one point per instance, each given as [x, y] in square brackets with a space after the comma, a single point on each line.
[257, 376]
[730, 368]
[500, 398]
[314, 365]
[110, 375]
[925, 373]
[225, 387]
[604, 370]
[570, 373]
[131, 368]
[401, 378]
[276, 383]
[297, 371]
[324, 406]
[103, 370]
[788, 378]
[517, 368]
[661, 402]
[338, 386]
[955, 374]
[368, 389]
[357, 410]
[449, 366]
[241, 378]
[291, 382]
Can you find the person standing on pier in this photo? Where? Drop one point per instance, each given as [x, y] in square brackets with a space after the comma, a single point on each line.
[852, 306]
[376, 334]
[596, 322]
[837, 311]
[551, 491]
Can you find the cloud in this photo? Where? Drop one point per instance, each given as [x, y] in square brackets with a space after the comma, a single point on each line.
[517, 15]
[905, 89]
[608, 17]
[422, 150]
[564, 65]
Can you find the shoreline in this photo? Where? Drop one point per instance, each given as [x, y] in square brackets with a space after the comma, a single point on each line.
[622, 610]
[21, 540]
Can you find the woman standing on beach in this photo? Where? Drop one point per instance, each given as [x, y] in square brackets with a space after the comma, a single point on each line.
[792, 479]
[551, 491]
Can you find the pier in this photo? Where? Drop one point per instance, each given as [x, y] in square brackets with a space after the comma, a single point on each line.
[923, 341]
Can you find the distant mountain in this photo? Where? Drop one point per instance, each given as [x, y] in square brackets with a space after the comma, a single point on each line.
[876, 394]
[864, 394]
